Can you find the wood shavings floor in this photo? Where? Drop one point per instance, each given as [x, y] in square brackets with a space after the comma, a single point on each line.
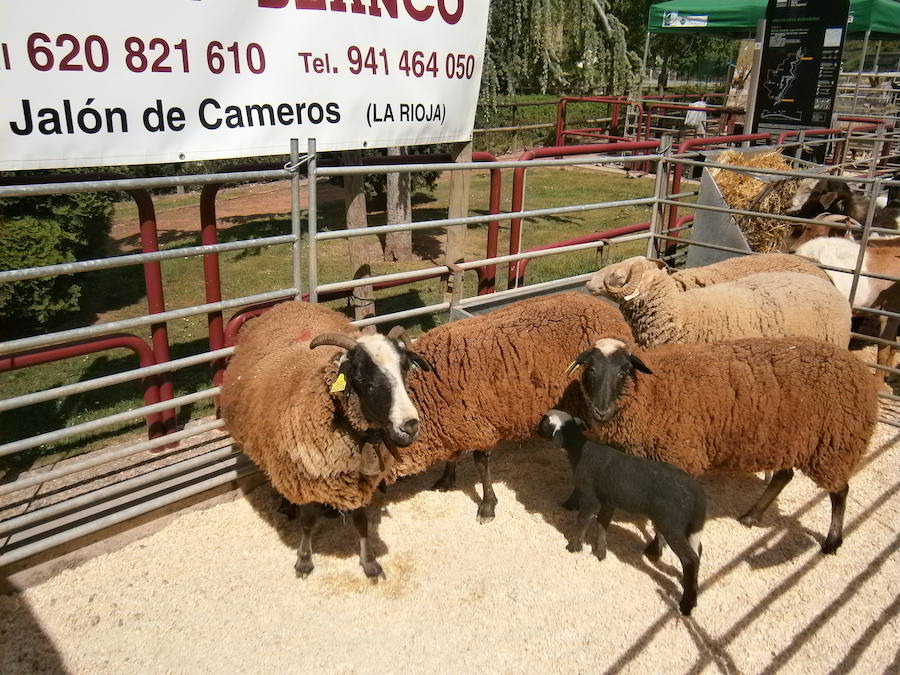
[215, 591]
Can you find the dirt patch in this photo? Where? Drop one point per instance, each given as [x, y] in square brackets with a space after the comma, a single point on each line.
[233, 206]
[216, 590]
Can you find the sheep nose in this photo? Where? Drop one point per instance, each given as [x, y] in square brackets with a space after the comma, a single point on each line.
[601, 414]
[410, 426]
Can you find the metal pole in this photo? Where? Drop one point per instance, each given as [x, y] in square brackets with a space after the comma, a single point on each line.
[862, 63]
[665, 144]
[295, 215]
[874, 189]
[311, 220]
[749, 126]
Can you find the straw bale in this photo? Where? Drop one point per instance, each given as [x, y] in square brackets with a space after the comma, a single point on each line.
[743, 191]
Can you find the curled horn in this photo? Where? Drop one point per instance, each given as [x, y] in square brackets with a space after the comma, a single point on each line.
[399, 333]
[333, 339]
[629, 281]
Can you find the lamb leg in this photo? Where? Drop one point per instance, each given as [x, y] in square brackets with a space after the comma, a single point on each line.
[603, 520]
[836, 532]
[585, 516]
[488, 498]
[370, 566]
[309, 514]
[690, 569]
[773, 489]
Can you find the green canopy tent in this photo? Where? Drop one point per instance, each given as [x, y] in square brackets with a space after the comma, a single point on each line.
[738, 18]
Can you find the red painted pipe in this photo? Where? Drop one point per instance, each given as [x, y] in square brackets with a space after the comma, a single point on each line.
[68, 350]
[614, 101]
[224, 337]
[152, 270]
[518, 191]
[156, 303]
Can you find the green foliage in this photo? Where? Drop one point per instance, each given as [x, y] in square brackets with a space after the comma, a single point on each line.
[47, 230]
[29, 242]
[576, 45]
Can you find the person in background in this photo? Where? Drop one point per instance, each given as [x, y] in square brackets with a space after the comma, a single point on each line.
[695, 120]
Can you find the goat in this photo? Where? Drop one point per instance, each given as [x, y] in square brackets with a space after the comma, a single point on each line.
[882, 257]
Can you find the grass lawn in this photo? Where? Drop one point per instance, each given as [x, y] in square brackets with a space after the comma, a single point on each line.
[118, 294]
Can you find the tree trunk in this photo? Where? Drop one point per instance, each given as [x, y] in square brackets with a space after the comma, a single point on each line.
[663, 80]
[398, 245]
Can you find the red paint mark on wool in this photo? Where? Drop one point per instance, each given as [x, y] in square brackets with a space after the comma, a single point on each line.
[305, 336]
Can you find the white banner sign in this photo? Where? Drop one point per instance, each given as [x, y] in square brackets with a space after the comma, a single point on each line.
[108, 82]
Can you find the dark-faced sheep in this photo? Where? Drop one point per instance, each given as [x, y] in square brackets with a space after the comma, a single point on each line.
[758, 404]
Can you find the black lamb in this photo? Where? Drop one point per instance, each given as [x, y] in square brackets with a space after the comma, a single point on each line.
[607, 479]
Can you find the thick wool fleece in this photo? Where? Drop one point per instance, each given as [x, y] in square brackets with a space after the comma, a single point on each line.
[276, 403]
[742, 266]
[759, 404]
[773, 304]
[498, 373]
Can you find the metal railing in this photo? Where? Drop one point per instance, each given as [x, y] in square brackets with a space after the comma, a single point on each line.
[38, 510]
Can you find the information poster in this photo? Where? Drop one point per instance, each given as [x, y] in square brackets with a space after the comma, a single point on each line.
[801, 60]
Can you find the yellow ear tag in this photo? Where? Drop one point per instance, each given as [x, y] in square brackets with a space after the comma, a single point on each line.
[339, 384]
[572, 367]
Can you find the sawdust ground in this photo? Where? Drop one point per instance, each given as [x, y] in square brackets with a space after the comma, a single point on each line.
[216, 592]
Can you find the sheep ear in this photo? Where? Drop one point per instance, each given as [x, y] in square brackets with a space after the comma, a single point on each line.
[639, 365]
[420, 362]
[660, 264]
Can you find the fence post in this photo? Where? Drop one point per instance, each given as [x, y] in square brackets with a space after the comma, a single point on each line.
[363, 297]
[657, 215]
[312, 221]
[459, 208]
[295, 216]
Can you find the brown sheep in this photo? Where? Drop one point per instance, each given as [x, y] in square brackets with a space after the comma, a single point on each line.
[496, 375]
[313, 417]
[743, 266]
[757, 404]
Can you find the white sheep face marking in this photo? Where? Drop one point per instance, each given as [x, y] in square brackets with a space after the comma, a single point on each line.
[609, 346]
[386, 357]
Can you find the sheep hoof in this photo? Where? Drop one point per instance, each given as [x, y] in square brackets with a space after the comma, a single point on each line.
[653, 550]
[443, 484]
[748, 520]
[485, 512]
[686, 607]
[372, 570]
[303, 568]
[831, 547]
[573, 547]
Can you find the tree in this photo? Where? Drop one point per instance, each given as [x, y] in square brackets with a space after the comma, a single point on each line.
[577, 45]
[398, 208]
